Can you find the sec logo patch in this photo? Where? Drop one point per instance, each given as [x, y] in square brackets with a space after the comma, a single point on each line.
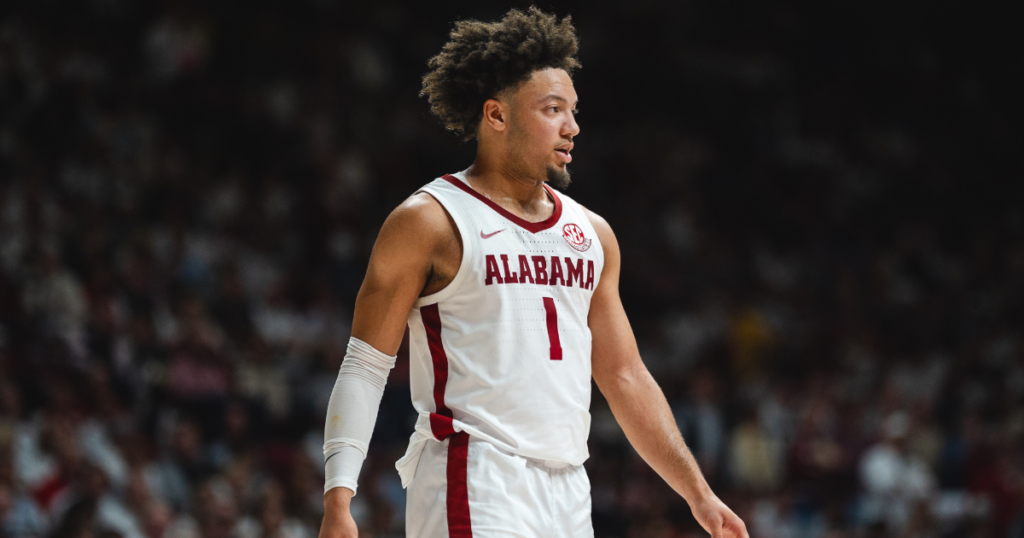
[573, 235]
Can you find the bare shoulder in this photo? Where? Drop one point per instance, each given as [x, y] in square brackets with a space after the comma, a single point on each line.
[604, 231]
[413, 241]
[419, 239]
[419, 211]
[419, 220]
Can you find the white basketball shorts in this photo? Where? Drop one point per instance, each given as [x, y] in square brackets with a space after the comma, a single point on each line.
[468, 488]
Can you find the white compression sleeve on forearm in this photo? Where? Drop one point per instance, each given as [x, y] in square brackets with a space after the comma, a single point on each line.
[352, 412]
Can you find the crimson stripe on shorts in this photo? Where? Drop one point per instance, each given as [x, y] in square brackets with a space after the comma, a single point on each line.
[441, 420]
[458, 492]
[552, 319]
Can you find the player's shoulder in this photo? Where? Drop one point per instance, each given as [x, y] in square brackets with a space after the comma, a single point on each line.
[420, 218]
[419, 205]
[601, 226]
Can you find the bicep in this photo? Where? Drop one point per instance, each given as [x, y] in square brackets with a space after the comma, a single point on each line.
[397, 272]
[615, 353]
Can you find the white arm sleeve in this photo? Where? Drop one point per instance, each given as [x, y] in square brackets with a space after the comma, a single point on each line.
[352, 412]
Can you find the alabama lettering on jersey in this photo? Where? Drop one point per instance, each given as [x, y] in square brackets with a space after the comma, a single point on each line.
[540, 267]
[503, 352]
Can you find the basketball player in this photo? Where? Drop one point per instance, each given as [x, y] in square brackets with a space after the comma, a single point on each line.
[510, 293]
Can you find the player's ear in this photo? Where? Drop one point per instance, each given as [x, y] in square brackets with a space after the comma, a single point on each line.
[495, 114]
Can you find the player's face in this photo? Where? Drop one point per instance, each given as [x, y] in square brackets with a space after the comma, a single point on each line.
[543, 126]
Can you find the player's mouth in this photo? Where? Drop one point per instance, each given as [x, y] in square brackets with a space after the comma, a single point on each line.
[563, 153]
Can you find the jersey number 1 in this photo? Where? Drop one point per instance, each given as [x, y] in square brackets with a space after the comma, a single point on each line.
[552, 319]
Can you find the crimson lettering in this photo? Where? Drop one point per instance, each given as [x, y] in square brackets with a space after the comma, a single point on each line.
[524, 270]
[556, 271]
[574, 273]
[492, 271]
[509, 278]
[540, 269]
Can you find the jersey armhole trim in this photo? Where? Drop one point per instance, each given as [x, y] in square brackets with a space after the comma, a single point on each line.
[467, 252]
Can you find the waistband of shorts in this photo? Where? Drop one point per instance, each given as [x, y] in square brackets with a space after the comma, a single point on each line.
[553, 465]
[550, 464]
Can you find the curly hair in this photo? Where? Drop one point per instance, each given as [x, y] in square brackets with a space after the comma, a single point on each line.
[482, 60]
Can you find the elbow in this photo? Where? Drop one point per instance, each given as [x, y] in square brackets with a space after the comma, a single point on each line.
[620, 380]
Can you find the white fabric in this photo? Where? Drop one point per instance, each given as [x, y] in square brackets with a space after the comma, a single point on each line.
[352, 412]
[509, 496]
[407, 464]
[342, 468]
[502, 384]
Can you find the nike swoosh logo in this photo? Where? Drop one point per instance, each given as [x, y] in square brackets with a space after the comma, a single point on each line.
[492, 234]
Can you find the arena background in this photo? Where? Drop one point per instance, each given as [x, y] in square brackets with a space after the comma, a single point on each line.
[819, 206]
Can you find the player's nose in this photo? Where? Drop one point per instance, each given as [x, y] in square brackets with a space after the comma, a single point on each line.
[570, 128]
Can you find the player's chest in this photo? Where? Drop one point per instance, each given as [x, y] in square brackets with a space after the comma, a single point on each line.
[562, 257]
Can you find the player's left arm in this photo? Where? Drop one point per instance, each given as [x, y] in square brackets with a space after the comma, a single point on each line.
[637, 401]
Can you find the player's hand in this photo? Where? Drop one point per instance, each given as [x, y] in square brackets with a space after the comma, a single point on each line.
[718, 519]
[338, 522]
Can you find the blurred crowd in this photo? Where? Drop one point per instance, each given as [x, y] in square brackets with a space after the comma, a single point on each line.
[823, 260]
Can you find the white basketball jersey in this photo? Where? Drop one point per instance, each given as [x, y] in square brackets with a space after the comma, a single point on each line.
[503, 352]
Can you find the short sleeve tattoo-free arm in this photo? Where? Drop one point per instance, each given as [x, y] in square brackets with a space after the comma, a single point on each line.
[637, 401]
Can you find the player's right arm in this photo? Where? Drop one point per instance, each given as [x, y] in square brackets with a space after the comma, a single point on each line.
[413, 241]
[410, 243]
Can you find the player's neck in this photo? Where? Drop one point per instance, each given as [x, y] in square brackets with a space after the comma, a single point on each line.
[504, 185]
